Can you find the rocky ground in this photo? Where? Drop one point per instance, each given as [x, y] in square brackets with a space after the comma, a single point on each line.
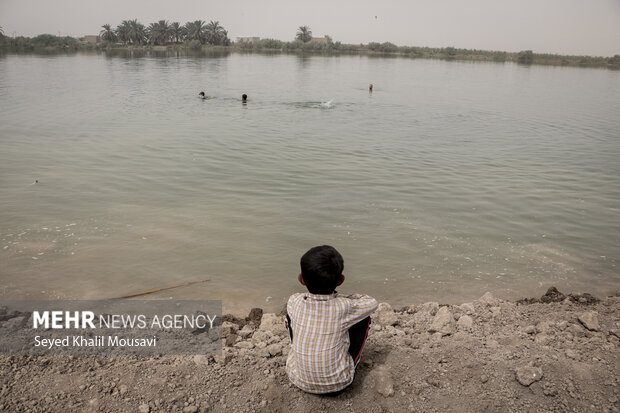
[558, 353]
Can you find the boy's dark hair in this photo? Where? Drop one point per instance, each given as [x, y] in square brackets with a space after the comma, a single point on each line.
[321, 268]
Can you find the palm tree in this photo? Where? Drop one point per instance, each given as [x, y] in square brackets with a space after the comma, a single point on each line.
[159, 33]
[137, 32]
[196, 31]
[107, 34]
[216, 34]
[122, 31]
[304, 34]
[177, 32]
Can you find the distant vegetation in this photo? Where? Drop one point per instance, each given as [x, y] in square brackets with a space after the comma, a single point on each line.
[304, 34]
[129, 33]
[42, 42]
[161, 33]
[387, 49]
[199, 34]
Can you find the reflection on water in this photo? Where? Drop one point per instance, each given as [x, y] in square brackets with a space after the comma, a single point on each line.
[449, 180]
[165, 53]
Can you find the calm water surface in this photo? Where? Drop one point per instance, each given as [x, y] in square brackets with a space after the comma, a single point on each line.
[450, 180]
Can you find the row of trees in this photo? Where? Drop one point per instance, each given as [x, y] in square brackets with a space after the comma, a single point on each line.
[163, 33]
[448, 53]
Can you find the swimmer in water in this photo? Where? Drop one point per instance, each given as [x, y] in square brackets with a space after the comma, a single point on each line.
[201, 95]
[244, 98]
[370, 88]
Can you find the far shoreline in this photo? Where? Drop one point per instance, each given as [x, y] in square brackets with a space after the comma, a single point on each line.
[386, 50]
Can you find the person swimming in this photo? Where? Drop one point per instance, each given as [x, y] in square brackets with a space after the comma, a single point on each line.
[201, 95]
[370, 88]
[244, 98]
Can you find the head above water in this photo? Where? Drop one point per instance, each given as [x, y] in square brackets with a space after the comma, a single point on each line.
[244, 98]
[201, 94]
[321, 269]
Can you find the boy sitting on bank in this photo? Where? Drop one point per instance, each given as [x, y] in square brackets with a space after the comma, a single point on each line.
[327, 330]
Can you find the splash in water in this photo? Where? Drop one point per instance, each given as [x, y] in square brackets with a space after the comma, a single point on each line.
[326, 105]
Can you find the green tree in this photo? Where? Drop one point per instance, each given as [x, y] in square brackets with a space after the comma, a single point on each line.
[131, 31]
[159, 33]
[122, 31]
[525, 57]
[137, 32]
[177, 32]
[304, 34]
[196, 30]
[107, 34]
[216, 34]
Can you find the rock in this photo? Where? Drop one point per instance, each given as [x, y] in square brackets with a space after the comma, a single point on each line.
[15, 323]
[123, 389]
[571, 354]
[530, 329]
[245, 344]
[229, 328]
[577, 330]
[589, 319]
[527, 375]
[430, 308]
[468, 308]
[542, 339]
[274, 349]
[246, 331]
[255, 316]
[261, 335]
[385, 316]
[543, 327]
[273, 323]
[443, 322]
[383, 383]
[144, 408]
[552, 296]
[230, 340]
[489, 300]
[410, 309]
[465, 323]
[190, 409]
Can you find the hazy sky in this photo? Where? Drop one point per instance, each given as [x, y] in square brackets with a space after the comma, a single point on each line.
[590, 27]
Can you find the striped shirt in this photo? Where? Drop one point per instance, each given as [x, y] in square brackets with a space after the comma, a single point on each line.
[319, 361]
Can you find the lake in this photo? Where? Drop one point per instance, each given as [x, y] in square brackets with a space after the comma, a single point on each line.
[449, 180]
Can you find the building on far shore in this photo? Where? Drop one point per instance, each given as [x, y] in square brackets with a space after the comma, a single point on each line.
[90, 39]
[247, 39]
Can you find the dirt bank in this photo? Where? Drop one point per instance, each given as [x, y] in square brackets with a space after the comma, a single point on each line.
[555, 354]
